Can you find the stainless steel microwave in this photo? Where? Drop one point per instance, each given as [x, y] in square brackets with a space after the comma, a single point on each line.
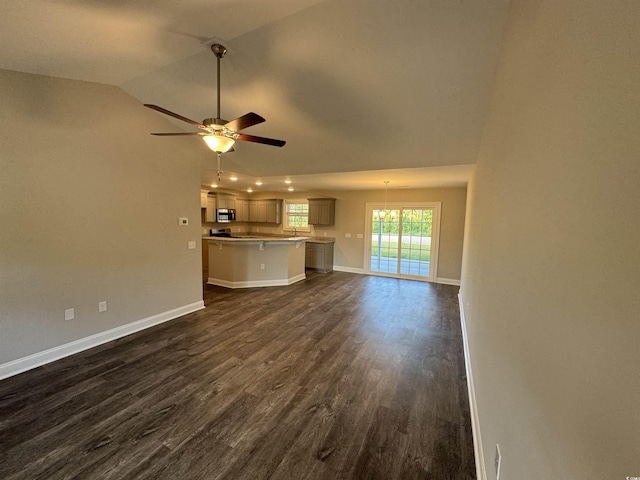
[225, 215]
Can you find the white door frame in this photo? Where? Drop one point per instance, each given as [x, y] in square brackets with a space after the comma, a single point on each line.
[370, 207]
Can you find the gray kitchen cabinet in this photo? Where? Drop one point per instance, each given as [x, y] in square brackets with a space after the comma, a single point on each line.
[210, 215]
[226, 201]
[319, 256]
[258, 211]
[253, 211]
[273, 211]
[242, 210]
[322, 211]
[265, 211]
[262, 211]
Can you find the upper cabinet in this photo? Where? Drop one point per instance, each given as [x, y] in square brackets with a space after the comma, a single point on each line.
[242, 210]
[259, 211]
[226, 201]
[265, 211]
[322, 211]
[210, 215]
[273, 211]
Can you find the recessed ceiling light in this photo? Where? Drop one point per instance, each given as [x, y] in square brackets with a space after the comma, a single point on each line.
[290, 189]
[233, 179]
[258, 183]
[214, 185]
[249, 190]
[287, 182]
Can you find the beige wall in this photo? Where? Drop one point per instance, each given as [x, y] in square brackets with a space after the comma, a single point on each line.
[551, 274]
[89, 207]
[350, 218]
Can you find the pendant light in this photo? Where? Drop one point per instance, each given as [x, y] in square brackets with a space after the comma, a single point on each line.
[382, 213]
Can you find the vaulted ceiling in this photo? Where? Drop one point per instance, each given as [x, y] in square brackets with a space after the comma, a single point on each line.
[352, 86]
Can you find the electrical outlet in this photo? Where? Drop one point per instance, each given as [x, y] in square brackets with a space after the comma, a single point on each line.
[359, 235]
[69, 314]
[348, 235]
[498, 461]
[262, 266]
[102, 306]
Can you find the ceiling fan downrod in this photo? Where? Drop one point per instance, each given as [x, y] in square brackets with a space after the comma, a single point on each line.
[219, 51]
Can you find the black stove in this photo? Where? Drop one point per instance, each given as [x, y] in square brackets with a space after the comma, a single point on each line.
[220, 232]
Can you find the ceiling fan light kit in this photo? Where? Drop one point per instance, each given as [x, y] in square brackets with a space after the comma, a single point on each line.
[219, 143]
[220, 135]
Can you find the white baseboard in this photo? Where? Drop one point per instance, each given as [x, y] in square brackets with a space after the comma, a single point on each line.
[481, 471]
[339, 268]
[280, 282]
[23, 364]
[444, 281]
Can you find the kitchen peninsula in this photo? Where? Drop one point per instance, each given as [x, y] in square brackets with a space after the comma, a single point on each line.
[256, 261]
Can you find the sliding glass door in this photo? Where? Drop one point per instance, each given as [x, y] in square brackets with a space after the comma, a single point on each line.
[384, 241]
[402, 240]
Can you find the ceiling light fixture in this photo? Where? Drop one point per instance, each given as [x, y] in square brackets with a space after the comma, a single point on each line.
[287, 182]
[219, 143]
[290, 189]
[250, 190]
[258, 183]
[220, 134]
[233, 179]
[383, 213]
[213, 185]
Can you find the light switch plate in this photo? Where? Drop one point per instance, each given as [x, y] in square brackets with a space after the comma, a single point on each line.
[348, 235]
[69, 314]
[102, 306]
[183, 221]
[192, 244]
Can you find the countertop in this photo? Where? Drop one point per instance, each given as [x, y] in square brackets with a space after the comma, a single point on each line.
[245, 237]
[257, 239]
[321, 240]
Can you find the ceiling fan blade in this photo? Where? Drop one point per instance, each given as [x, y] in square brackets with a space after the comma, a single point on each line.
[244, 121]
[181, 133]
[175, 115]
[266, 141]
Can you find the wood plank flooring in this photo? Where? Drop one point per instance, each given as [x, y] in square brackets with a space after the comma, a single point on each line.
[340, 376]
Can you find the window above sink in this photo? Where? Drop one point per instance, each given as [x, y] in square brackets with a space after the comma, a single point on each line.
[296, 215]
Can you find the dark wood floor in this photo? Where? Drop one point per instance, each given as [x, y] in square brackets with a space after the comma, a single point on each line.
[340, 376]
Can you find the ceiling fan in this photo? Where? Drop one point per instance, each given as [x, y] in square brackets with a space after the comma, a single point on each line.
[219, 134]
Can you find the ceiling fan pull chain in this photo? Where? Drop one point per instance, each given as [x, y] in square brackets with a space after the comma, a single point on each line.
[219, 172]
